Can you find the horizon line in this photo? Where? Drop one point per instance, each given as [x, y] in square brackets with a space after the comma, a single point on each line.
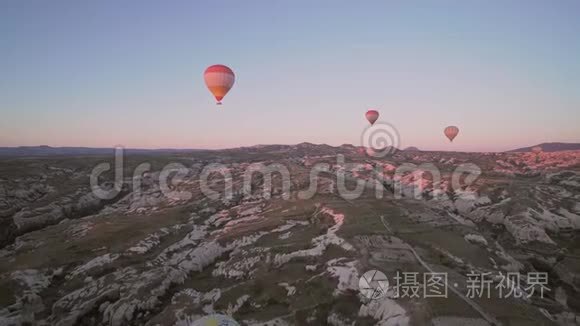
[256, 145]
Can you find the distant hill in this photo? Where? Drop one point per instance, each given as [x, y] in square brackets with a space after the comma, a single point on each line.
[551, 147]
[24, 151]
[302, 149]
[411, 149]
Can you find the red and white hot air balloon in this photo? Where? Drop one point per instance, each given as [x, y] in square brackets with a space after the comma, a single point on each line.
[451, 132]
[372, 116]
[219, 79]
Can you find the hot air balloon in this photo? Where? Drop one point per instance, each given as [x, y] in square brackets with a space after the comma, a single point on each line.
[219, 79]
[372, 116]
[451, 132]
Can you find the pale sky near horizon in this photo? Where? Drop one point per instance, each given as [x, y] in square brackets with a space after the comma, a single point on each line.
[106, 73]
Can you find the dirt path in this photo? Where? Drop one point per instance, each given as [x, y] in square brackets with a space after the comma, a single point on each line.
[473, 304]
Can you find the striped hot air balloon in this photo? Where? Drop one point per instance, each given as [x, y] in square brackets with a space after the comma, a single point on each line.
[219, 79]
[372, 116]
[451, 132]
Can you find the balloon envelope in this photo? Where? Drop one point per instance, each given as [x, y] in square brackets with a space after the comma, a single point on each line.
[372, 116]
[219, 79]
[451, 132]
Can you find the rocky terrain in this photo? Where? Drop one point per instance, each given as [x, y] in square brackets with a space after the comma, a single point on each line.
[550, 147]
[190, 234]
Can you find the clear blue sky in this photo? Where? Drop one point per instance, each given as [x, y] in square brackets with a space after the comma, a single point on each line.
[102, 73]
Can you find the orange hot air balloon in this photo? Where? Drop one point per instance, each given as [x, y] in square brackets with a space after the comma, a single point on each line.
[451, 132]
[219, 79]
[372, 116]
